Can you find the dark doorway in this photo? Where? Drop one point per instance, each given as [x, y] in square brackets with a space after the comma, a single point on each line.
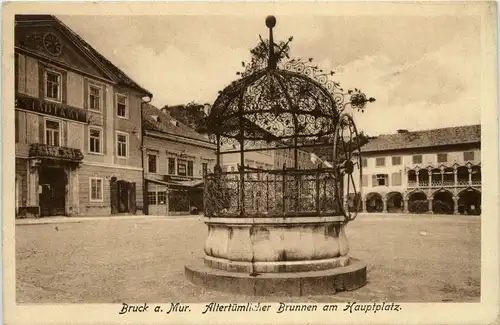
[52, 191]
[469, 202]
[443, 203]
[374, 203]
[123, 198]
[196, 200]
[394, 202]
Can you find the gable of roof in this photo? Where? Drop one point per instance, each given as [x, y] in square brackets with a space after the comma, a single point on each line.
[467, 134]
[167, 124]
[108, 68]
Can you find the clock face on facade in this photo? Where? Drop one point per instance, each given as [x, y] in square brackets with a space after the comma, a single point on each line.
[52, 44]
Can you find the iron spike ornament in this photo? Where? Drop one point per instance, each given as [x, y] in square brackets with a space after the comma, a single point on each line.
[283, 102]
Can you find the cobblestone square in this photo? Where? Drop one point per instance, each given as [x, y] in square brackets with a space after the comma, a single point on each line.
[411, 258]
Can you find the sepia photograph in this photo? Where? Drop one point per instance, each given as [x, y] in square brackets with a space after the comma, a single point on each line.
[202, 163]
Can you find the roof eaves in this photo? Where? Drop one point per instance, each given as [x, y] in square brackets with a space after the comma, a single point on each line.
[100, 60]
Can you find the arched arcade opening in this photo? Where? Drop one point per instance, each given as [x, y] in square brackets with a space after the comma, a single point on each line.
[374, 202]
[395, 202]
[469, 202]
[417, 203]
[443, 203]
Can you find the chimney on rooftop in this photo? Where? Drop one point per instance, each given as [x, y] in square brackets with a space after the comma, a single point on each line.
[206, 109]
[164, 109]
[402, 131]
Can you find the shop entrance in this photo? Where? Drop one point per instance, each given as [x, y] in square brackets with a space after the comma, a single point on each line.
[52, 191]
[122, 196]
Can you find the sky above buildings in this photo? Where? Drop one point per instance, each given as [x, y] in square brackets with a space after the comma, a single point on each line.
[423, 71]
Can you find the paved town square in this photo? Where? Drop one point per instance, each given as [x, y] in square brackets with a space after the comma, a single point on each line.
[268, 166]
[137, 260]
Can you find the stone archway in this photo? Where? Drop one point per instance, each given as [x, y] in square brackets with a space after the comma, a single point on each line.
[374, 202]
[442, 202]
[417, 202]
[394, 202]
[469, 202]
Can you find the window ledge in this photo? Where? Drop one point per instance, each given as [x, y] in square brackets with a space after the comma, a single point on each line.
[95, 111]
[120, 157]
[122, 117]
[58, 101]
[95, 153]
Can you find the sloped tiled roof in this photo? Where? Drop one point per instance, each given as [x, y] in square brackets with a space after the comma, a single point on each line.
[167, 124]
[118, 74]
[425, 138]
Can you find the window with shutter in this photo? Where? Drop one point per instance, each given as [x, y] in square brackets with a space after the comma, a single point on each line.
[374, 180]
[364, 181]
[396, 161]
[417, 159]
[469, 155]
[171, 166]
[381, 180]
[396, 179]
[442, 157]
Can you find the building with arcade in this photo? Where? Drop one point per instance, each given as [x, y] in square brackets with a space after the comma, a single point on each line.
[428, 171]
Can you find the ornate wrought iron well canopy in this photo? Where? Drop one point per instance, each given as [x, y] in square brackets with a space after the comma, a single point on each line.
[292, 104]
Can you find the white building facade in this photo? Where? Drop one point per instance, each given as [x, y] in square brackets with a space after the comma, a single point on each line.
[431, 171]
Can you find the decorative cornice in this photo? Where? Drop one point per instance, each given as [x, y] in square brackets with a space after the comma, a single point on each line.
[63, 65]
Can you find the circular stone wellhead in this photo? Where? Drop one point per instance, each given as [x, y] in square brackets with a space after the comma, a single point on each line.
[290, 239]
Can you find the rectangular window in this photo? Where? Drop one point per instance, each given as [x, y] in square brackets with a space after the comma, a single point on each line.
[152, 164]
[121, 106]
[152, 198]
[94, 98]
[396, 179]
[381, 180]
[96, 189]
[162, 197]
[204, 169]
[379, 162]
[396, 161]
[417, 159]
[190, 168]
[53, 85]
[442, 157]
[52, 133]
[95, 140]
[468, 155]
[364, 162]
[181, 167]
[364, 181]
[122, 145]
[171, 166]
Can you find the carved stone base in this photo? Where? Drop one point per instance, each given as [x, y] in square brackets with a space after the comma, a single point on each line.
[325, 282]
[266, 240]
[276, 267]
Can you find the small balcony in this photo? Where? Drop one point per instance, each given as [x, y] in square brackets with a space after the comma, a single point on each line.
[447, 177]
[55, 154]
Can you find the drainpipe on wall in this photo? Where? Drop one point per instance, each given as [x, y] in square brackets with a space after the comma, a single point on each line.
[145, 208]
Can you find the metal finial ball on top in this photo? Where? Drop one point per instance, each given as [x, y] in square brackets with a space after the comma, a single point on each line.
[270, 21]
